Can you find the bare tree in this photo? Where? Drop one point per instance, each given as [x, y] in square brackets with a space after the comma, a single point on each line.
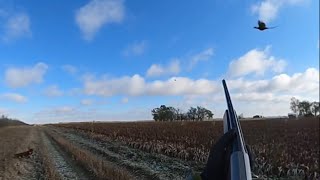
[304, 108]
[315, 108]
[294, 105]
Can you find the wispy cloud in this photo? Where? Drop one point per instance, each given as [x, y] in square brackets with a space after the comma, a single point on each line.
[125, 100]
[16, 26]
[255, 61]
[173, 68]
[24, 76]
[135, 49]
[201, 56]
[87, 102]
[53, 91]
[268, 10]
[70, 69]
[98, 13]
[13, 97]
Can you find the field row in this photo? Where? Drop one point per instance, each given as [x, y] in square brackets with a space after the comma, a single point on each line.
[282, 148]
[59, 153]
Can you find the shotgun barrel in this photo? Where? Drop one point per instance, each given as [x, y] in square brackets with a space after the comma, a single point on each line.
[240, 168]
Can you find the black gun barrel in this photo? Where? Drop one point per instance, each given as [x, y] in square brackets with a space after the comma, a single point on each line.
[239, 160]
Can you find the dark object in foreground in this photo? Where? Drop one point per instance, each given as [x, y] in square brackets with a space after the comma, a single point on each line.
[262, 26]
[25, 154]
[229, 158]
[219, 158]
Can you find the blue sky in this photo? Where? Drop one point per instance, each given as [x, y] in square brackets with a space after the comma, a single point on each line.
[116, 59]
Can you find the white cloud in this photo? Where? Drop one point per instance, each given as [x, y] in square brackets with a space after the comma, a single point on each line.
[181, 86]
[269, 9]
[136, 49]
[125, 100]
[202, 56]
[159, 70]
[21, 77]
[70, 69]
[53, 91]
[137, 86]
[97, 13]
[304, 84]
[17, 26]
[255, 61]
[107, 87]
[297, 83]
[86, 102]
[13, 97]
[266, 96]
[277, 90]
[72, 114]
[270, 96]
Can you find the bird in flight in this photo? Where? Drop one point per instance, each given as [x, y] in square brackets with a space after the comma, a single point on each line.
[262, 26]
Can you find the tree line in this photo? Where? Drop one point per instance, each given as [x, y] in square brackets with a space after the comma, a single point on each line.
[304, 108]
[168, 113]
[5, 121]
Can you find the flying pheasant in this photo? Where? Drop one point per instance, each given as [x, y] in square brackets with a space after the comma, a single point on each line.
[262, 26]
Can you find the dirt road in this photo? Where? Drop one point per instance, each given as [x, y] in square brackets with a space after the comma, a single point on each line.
[143, 165]
[66, 154]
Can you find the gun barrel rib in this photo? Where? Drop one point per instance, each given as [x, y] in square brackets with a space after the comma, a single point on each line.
[239, 160]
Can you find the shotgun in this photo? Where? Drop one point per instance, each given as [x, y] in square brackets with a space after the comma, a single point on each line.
[239, 168]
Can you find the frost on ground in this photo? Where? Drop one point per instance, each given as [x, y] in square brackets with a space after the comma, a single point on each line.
[60, 162]
[143, 164]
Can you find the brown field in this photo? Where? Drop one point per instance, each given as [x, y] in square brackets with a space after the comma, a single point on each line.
[283, 149]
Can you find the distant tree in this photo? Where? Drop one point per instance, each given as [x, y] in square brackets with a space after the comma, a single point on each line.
[209, 114]
[6, 121]
[304, 108]
[156, 114]
[199, 113]
[168, 113]
[179, 114]
[315, 108]
[192, 114]
[294, 105]
[171, 113]
[184, 116]
[164, 113]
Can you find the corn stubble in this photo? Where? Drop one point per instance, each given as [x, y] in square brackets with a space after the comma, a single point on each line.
[281, 147]
[100, 168]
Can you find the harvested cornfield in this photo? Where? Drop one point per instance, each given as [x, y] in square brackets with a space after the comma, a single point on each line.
[281, 147]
